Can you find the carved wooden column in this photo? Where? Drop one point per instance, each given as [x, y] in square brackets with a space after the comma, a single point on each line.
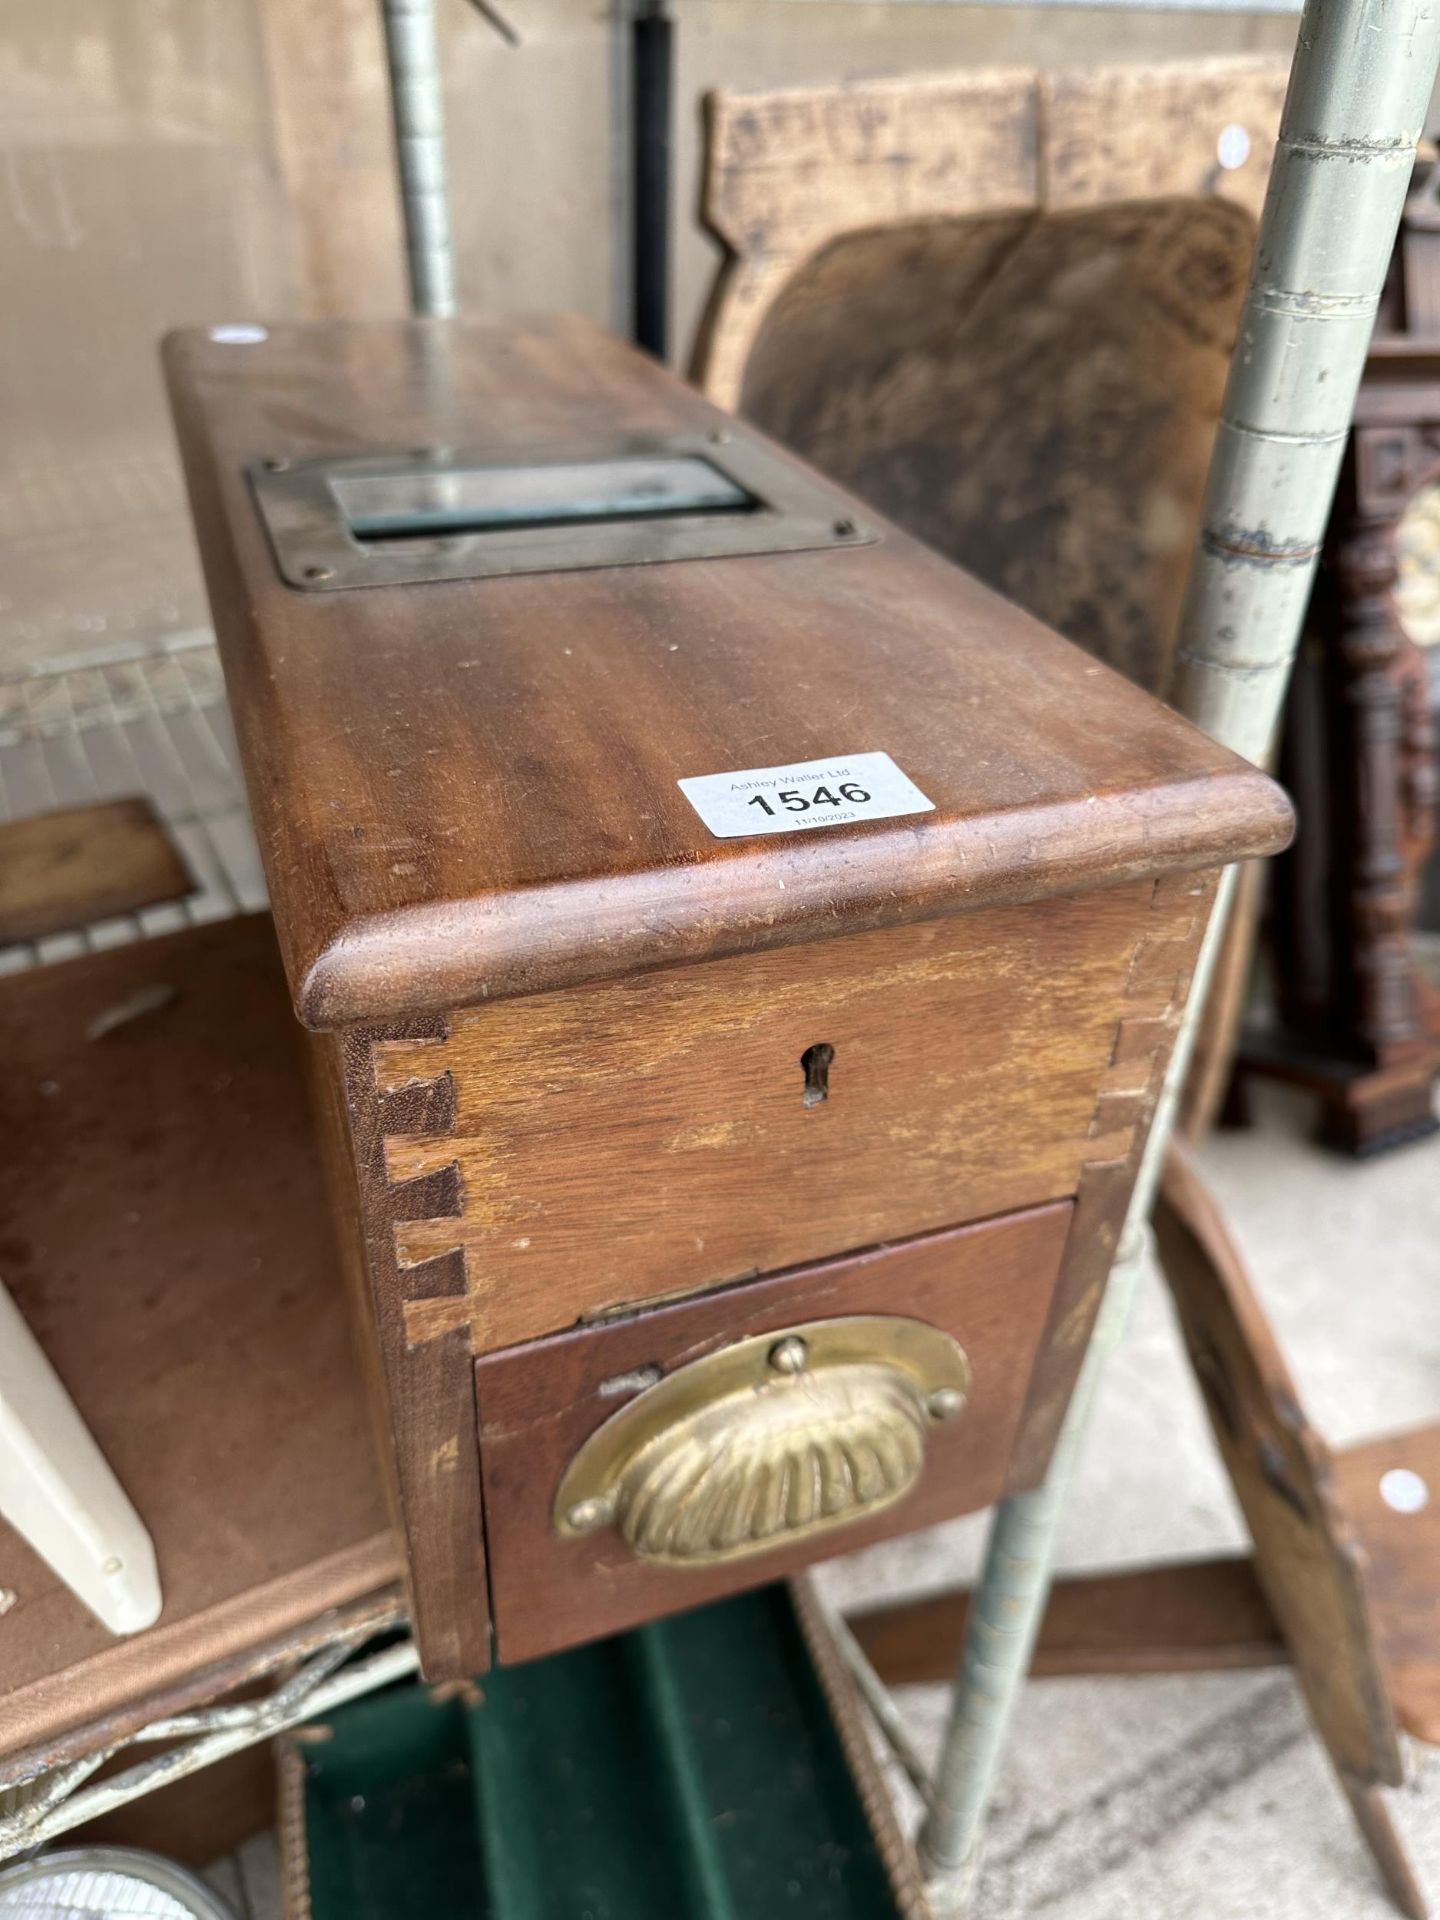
[1357, 1022]
[1373, 882]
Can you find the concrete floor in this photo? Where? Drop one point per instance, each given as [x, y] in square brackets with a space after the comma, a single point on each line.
[1204, 1797]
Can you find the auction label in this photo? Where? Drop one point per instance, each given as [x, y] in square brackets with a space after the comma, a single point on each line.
[804, 794]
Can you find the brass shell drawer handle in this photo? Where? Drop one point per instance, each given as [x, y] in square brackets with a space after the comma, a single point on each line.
[767, 1442]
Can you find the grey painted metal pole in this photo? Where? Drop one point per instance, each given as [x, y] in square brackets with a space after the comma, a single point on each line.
[1358, 92]
[419, 114]
[1009, 1603]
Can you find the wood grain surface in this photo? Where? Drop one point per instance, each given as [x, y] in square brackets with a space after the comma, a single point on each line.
[989, 1285]
[64, 870]
[421, 1394]
[612, 1144]
[485, 876]
[1034, 398]
[788, 172]
[468, 790]
[1000, 306]
[163, 1229]
[1308, 1551]
[538, 1162]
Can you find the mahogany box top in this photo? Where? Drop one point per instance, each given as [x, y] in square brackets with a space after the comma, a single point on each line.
[487, 594]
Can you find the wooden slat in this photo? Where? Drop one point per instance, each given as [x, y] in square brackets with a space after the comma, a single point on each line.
[1199, 1616]
[60, 871]
[1307, 1550]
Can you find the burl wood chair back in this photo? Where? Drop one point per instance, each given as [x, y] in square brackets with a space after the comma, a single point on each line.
[1000, 305]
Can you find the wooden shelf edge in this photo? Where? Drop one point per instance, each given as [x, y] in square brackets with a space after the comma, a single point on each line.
[168, 1240]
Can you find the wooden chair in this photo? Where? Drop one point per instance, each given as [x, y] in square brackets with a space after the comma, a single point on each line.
[1001, 306]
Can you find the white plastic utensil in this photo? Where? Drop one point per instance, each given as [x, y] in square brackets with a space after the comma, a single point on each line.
[57, 1488]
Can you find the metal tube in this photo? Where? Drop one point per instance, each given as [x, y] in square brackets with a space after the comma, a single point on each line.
[419, 114]
[58, 1802]
[652, 61]
[1358, 93]
[1008, 1607]
[889, 1721]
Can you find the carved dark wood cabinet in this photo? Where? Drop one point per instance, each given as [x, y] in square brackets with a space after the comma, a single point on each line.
[741, 951]
[1358, 1023]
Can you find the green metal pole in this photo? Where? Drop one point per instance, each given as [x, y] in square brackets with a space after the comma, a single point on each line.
[1359, 89]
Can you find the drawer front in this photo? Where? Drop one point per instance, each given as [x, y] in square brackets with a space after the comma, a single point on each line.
[657, 1462]
[649, 1137]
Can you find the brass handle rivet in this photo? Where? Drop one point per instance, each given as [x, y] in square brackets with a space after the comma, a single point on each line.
[945, 1403]
[790, 1355]
[586, 1515]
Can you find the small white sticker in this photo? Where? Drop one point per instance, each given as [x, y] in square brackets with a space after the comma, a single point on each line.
[1232, 149]
[1403, 1491]
[804, 794]
[238, 333]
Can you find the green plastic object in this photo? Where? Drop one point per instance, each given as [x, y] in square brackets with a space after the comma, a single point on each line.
[690, 1768]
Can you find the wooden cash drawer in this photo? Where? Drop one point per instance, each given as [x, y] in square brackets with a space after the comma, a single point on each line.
[705, 910]
[870, 1395]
